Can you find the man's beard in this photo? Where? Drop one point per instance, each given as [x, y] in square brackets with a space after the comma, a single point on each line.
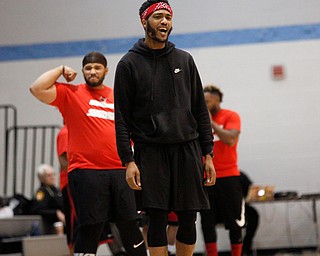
[214, 110]
[94, 84]
[152, 34]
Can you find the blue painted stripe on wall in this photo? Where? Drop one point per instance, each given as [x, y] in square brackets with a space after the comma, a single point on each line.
[193, 40]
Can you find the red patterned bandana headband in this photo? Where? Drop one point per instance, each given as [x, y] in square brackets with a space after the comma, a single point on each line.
[155, 7]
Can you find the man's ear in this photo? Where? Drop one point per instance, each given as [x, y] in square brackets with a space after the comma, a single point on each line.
[107, 70]
[144, 23]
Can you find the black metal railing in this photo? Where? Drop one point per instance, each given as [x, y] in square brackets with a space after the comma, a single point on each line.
[9, 116]
[36, 144]
[24, 147]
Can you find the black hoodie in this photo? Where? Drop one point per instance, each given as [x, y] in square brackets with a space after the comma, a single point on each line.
[159, 100]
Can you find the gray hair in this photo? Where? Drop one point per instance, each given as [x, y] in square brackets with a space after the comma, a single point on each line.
[41, 170]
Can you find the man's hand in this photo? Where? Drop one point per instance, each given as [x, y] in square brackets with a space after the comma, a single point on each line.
[210, 171]
[68, 73]
[61, 216]
[133, 176]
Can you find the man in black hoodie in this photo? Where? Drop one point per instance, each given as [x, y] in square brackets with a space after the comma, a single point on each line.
[160, 107]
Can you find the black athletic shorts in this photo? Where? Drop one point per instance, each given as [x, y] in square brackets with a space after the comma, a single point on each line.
[226, 202]
[171, 177]
[101, 195]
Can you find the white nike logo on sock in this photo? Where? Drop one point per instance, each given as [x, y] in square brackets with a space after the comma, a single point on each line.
[137, 245]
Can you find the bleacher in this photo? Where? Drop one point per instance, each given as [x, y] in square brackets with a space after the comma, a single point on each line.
[22, 148]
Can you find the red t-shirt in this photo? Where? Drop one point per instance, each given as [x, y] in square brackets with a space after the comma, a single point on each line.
[62, 145]
[225, 157]
[89, 116]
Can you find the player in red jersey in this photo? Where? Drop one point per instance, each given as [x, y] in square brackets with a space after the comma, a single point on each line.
[96, 175]
[69, 210]
[226, 201]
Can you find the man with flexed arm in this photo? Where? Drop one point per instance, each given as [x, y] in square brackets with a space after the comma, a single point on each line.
[96, 176]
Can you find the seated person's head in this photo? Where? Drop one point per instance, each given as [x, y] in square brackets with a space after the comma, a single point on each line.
[46, 175]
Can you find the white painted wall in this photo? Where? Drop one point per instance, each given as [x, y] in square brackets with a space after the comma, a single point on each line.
[279, 143]
[36, 21]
